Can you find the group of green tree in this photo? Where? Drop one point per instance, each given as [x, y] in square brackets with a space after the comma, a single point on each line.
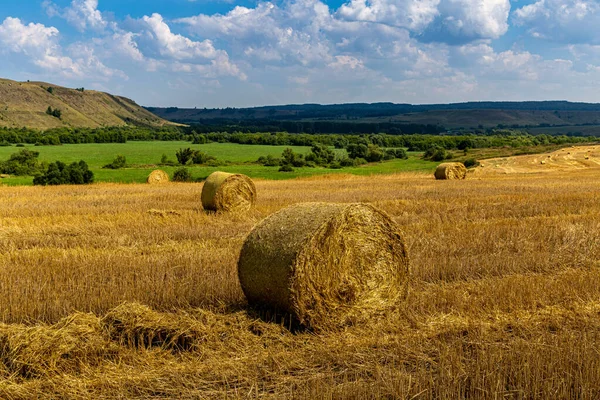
[67, 135]
[323, 156]
[414, 141]
[25, 163]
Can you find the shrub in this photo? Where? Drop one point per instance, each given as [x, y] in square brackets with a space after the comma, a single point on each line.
[269, 161]
[24, 162]
[435, 153]
[201, 157]
[164, 160]
[182, 175]
[402, 154]
[471, 162]
[118, 162]
[320, 154]
[199, 139]
[288, 157]
[184, 156]
[4, 144]
[357, 150]
[55, 113]
[347, 162]
[286, 168]
[389, 154]
[374, 153]
[59, 173]
[19, 145]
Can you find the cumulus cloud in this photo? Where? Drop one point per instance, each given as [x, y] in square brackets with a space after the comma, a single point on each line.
[82, 14]
[31, 39]
[435, 20]
[39, 44]
[415, 15]
[569, 21]
[176, 46]
[468, 20]
[269, 33]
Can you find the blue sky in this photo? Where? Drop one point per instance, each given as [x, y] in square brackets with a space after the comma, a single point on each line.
[218, 53]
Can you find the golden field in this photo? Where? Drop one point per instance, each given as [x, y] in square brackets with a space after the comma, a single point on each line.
[504, 298]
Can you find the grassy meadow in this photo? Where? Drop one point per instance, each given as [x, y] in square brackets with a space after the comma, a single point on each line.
[143, 157]
[504, 295]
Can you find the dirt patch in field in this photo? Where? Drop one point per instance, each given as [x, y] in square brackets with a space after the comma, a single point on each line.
[566, 159]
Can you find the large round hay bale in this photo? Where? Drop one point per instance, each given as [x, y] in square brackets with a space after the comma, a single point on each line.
[228, 192]
[328, 265]
[158, 176]
[451, 171]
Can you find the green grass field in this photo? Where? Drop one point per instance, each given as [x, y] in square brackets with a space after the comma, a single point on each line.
[145, 156]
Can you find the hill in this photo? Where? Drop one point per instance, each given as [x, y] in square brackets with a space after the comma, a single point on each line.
[561, 116]
[24, 104]
[575, 158]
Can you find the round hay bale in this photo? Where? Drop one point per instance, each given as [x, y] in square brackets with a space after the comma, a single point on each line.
[328, 265]
[228, 192]
[451, 171]
[158, 176]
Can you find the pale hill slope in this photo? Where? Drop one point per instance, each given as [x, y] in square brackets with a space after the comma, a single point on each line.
[24, 104]
[568, 159]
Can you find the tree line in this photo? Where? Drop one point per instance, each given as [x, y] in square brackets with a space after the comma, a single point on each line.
[414, 142]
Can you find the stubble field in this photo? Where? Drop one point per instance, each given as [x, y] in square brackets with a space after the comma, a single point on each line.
[131, 291]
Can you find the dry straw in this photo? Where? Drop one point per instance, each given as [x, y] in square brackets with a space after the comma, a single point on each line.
[328, 265]
[228, 192]
[451, 171]
[158, 176]
[137, 325]
[70, 346]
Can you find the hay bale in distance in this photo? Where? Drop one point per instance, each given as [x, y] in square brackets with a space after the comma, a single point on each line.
[228, 192]
[158, 176]
[328, 265]
[451, 171]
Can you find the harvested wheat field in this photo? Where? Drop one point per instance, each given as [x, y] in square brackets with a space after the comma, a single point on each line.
[131, 291]
[575, 158]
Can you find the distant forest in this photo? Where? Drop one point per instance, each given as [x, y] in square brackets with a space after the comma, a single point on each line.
[394, 119]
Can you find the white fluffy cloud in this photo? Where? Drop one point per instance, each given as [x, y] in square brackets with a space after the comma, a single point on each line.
[435, 20]
[415, 15]
[82, 14]
[176, 46]
[570, 21]
[39, 44]
[269, 33]
[31, 39]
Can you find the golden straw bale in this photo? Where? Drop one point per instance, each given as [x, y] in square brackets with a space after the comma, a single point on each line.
[328, 265]
[158, 176]
[451, 171]
[228, 192]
